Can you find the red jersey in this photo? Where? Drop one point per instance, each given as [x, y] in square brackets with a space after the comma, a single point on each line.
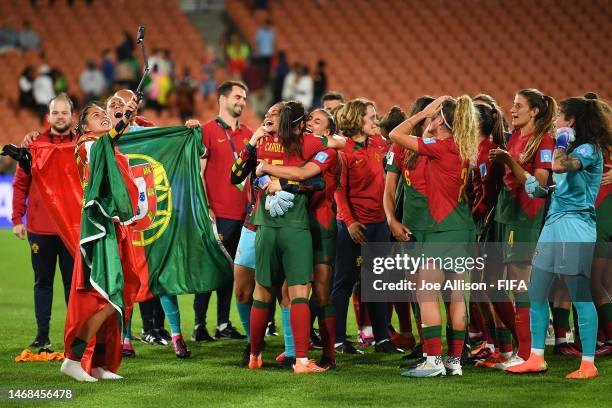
[446, 176]
[38, 219]
[514, 207]
[273, 152]
[222, 147]
[486, 181]
[362, 184]
[321, 204]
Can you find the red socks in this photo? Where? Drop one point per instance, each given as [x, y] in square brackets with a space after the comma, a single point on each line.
[327, 328]
[259, 320]
[300, 326]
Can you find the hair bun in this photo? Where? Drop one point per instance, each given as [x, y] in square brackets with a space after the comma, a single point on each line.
[591, 95]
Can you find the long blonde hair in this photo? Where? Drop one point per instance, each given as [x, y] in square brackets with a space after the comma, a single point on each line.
[544, 120]
[461, 117]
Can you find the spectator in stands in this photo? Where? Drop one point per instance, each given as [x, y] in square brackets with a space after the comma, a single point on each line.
[255, 79]
[169, 62]
[43, 90]
[157, 60]
[208, 84]
[7, 165]
[331, 100]
[60, 84]
[107, 66]
[184, 95]
[26, 83]
[92, 82]
[126, 48]
[28, 38]
[280, 72]
[160, 88]
[264, 38]
[237, 53]
[299, 86]
[8, 37]
[320, 83]
[125, 74]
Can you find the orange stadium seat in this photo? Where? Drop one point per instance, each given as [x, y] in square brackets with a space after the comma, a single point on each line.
[70, 35]
[395, 51]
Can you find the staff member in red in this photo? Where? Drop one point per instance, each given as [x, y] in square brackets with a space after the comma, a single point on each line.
[45, 243]
[224, 138]
[361, 217]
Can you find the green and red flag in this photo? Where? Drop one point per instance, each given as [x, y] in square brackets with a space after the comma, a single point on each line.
[172, 228]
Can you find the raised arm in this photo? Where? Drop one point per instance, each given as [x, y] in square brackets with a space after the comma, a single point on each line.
[402, 134]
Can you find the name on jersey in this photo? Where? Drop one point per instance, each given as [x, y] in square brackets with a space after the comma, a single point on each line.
[274, 147]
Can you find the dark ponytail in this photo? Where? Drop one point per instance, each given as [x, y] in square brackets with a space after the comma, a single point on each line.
[83, 117]
[491, 122]
[292, 115]
[592, 120]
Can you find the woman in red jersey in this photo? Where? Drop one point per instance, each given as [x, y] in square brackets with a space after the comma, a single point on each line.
[361, 217]
[518, 218]
[447, 153]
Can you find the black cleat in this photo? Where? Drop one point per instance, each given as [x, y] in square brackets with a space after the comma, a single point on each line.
[152, 337]
[164, 334]
[229, 333]
[271, 329]
[246, 356]
[386, 346]
[417, 353]
[41, 342]
[315, 340]
[347, 348]
[287, 363]
[201, 334]
[327, 363]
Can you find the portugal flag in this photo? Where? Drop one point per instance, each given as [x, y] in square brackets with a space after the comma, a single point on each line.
[172, 227]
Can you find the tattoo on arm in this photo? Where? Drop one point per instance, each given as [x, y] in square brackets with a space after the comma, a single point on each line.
[563, 163]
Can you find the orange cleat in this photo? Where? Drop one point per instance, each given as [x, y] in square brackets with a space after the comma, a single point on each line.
[403, 342]
[491, 361]
[587, 370]
[255, 362]
[309, 368]
[534, 364]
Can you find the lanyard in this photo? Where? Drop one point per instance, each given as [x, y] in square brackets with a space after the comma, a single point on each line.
[229, 139]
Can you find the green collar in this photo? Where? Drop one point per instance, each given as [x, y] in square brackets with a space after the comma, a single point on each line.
[225, 125]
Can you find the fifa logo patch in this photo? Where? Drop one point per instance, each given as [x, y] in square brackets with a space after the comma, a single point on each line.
[390, 157]
[483, 169]
[429, 140]
[321, 157]
[546, 156]
[35, 248]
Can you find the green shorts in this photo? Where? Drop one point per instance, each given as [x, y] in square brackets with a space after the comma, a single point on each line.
[283, 254]
[603, 248]
[323, 244]
[460, 244]
[518, 243]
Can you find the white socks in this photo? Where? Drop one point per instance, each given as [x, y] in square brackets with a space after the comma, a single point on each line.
[102, 374]
[537, 352]
[73, 369]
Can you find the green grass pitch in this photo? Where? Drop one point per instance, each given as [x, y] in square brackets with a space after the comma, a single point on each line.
[211, 377]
